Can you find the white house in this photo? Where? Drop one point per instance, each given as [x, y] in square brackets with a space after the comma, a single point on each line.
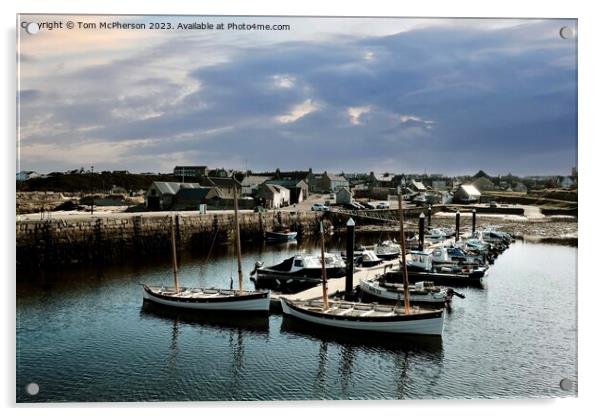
[344, 196]
[273, 196]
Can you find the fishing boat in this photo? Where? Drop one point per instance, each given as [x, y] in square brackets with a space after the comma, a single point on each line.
[209, 299]
[297, 273]
[357, 316]
[420, 267]
[387, 250]
[280, 234]
[421, 292]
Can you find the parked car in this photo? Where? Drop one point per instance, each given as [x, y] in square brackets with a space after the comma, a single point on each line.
[493, 204]
[383, 205]
[365, 205]
[319, 207]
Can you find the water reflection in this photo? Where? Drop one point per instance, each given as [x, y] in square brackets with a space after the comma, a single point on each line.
[244, 323]
[374, 341]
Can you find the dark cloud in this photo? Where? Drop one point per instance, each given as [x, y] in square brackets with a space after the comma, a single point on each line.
[447, 100]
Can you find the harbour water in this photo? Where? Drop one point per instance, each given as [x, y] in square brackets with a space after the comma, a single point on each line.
[84, 335]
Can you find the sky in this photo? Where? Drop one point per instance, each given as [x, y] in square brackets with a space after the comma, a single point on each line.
[449, 96]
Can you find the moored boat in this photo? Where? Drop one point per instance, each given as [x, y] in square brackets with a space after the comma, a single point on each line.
[421, 292]
[209, 299]
[357, 316]
[366, 317]
[297, 273]
[280, 235]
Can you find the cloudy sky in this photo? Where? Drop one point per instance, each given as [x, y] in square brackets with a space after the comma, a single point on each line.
[353, 95]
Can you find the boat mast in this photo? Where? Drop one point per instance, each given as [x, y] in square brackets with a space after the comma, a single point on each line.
[174, 255]
[324, 279]
[406, 295]
[238, 255]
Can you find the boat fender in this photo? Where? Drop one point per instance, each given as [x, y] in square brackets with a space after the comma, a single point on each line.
[258, 265]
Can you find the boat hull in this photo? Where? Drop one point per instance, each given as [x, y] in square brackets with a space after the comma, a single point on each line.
[296, 281]
[249, 302]
[425, 324]
[431, 298]
[274, 237]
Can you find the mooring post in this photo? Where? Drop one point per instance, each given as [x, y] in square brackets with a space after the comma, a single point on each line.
[429, 216]
[421, 231]
[458, 225]
[350, 250]
[474, 221]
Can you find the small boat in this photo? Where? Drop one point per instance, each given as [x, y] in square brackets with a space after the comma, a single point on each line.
[364, 258]
[387, 250]
[297, 273]
[367, 258]
[357, 316]
[280, 234]
[421, 292]
[370, 317]
[421, 268]
[209, 299]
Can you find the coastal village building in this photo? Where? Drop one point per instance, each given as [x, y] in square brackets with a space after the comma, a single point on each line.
[299, 189]
[416, 186]
[344, 196]
[467, 193]
[188, 199]
[483, 184]
[190, 171]
[273, 196]
[26, 175]
[250, 183]
[225, 184]
[161, 195]
[328, 182]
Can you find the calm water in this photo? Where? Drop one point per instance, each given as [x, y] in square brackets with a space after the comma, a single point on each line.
[84, 336]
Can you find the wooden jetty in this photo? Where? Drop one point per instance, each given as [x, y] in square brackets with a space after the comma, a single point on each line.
[336, 285]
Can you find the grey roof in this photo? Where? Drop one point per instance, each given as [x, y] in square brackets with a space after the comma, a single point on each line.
[251, 180]
[275, 189]
[334, 177]
[287, 183]
[419, 185]
[220, 182]
[470, 190]
[172, 188]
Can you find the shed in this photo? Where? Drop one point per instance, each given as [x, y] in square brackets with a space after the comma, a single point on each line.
[467, 194]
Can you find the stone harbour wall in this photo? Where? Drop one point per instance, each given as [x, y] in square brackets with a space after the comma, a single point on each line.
[117, 239]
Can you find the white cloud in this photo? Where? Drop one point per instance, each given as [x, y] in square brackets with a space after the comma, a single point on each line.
[355, 113]
[283, 81]
[404, 118]
[298, 111]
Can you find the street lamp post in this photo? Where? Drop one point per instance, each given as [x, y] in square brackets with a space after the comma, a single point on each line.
[92, 186]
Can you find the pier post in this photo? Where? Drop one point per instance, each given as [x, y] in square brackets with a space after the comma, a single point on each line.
[474, 221]
[429, 216]
[458, 225]
[350, 250]
[421, 231]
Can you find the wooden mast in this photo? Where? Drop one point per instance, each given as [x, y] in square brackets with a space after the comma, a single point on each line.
[402, 237]
[238, 254]
[174, 255]
[324, 278]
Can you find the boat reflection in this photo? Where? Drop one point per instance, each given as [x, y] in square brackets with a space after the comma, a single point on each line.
[385, 342]
[246, 323]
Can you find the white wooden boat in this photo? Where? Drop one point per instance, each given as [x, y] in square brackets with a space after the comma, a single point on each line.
[209, 299]
[421, 292]
[358, 316]
[366, 317]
